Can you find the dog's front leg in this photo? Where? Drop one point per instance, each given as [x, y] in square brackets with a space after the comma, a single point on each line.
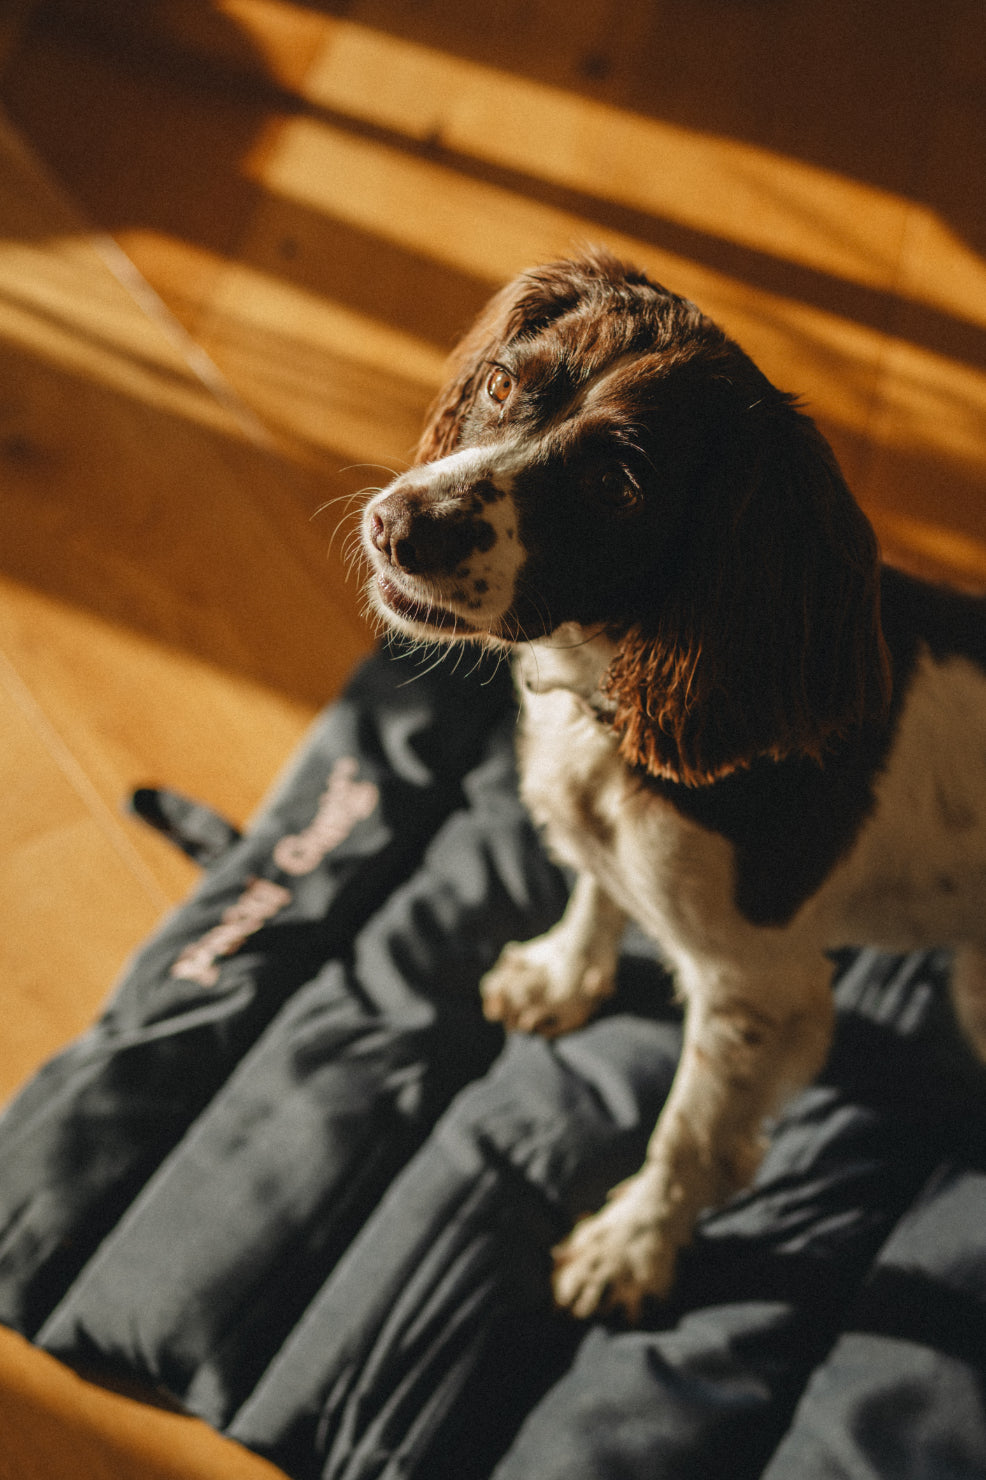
[745, 1050]
[555, 982]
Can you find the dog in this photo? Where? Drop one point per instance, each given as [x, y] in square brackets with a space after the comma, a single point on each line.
[738, 727]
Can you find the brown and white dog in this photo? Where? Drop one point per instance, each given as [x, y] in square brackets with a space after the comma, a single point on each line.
[737, 728]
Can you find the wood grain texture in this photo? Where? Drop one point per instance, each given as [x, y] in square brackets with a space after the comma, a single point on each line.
[161, 585]
[167, 612]
[58, 1426]
[353, 184]
[233, 255]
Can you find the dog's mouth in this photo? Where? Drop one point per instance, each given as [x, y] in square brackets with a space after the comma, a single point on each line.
[422, 613]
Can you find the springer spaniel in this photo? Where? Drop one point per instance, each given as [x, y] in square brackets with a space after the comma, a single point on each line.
[737, 727]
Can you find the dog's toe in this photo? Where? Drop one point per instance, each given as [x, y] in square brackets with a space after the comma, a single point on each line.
[523, 992]
[614, 1259]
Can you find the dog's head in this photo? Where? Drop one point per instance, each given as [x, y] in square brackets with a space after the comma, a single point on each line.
[602, 454]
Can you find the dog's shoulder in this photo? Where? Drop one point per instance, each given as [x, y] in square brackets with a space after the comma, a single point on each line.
[789, 822]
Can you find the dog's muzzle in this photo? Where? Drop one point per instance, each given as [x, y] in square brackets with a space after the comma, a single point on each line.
[438, 540]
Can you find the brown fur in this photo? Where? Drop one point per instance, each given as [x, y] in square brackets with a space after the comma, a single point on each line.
[675, 555]
[702, 685]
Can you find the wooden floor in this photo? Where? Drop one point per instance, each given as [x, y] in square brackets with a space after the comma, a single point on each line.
[237, 239]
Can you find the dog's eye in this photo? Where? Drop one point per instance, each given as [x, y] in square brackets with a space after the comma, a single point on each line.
[499, 385]
[616, 491]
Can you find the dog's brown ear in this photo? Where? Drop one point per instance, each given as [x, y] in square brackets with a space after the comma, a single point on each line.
[765, 638]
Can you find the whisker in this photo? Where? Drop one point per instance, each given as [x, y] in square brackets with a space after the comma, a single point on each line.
[522, 636]
[329, 503]
[352, 553]
[426, 649]
[352, 545]
[502, 656]
[482, 650]
[351, 467]
[570, 647]
[354, 514]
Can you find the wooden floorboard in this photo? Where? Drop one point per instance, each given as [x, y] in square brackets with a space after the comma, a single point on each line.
[168, 610]
[352, 188]
[57, 1425]
[236, 242]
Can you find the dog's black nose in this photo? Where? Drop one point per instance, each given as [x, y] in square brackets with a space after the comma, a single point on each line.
[425, 536]
[390, 531]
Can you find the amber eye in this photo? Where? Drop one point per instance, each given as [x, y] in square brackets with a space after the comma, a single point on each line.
[499, 385]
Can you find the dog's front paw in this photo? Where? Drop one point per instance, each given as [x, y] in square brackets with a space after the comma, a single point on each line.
[616, 1258]
[532, 990]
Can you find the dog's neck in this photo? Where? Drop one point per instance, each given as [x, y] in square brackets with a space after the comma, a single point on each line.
[573, 658]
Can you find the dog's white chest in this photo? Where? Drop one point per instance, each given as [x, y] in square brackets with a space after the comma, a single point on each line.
[672, 876]
[571, 777]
